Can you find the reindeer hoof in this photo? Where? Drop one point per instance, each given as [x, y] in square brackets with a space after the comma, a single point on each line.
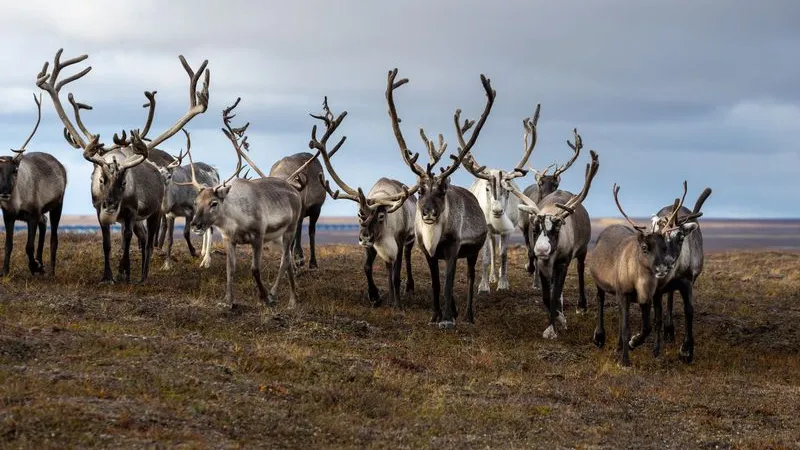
[483, 287]
[270, 300]
[447, 324]
[503, 285]
[108, 280]
[550, 333]
[669, 333]
[205, 263]
[562, 320]
[312, 265]
[686, 354]
[599, 338]
[166, 266]
[636, 341]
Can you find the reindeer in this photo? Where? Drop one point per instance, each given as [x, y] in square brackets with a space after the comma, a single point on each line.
[627, 261]
[499, 207]
[32, 185]
[251, 211]
[684, 239]
[386, 227]
[123, 189]
[449, 223]
[179, 199]
[544, 186]
[313, 196]
[561, 231]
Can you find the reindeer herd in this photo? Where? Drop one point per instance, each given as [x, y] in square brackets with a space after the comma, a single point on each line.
[144, 189]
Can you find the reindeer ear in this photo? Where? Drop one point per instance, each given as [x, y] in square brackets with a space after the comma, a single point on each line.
[688, 227]
[222, 191]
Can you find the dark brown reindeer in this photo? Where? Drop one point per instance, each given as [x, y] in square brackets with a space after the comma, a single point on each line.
[123, 189]
[500, 208]
[386, 228]
[252, 211]
[449, 223]
[545, 185]
[684, 239]
[627, 261]
[32, 184]
[560, 231]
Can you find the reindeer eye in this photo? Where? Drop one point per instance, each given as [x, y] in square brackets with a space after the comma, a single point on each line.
[214, 204]
[645, 249]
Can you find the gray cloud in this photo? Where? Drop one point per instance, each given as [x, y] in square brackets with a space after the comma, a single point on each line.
[698, 90]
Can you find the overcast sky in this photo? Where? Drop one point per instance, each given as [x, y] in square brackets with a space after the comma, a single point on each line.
[707, 91]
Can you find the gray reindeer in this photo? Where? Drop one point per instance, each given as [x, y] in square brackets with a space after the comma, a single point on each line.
[123, 189]
[449, 223]
[179, 197]
[545, 185]
[252, 211]
[386, 228]
[500, 208]
[560, 232]
[32, 184]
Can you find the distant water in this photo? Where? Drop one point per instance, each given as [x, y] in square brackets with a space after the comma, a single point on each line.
[718, 234]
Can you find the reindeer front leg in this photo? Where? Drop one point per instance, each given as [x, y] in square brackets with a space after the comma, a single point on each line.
[255, 269]
[230, 253]
[486, 261]
[9, 220]
[502, 284]
[34, 266]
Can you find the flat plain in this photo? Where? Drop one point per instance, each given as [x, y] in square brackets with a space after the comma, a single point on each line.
[160, 365]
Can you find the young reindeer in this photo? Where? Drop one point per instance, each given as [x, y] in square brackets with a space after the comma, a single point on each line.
[123, 189]
[500, 209]
[561, 231]
[544, 186]
[386, 226]
[449, 223]
[683, 236]
[252, 211]
[179, 201]
[32, 185]
[627, 261]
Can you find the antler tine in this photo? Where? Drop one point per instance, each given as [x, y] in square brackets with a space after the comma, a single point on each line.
[151, 105]
[510, 187]
[49, 82]
[22, 149]
[234, 134]
[194, 181]
[409, 158]
[701, 200]
[336, 195]
[331, 124]
[576, 151]
[198, 101]
[90, 153]
[672, 218]
[619, 207]
[467, 147]
[392, 202]
[529, 124]
[469, 162]
[575, 200]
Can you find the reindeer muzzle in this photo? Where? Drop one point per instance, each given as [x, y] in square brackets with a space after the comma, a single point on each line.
[5, 197]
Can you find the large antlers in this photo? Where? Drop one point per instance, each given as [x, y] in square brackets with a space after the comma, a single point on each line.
[636, 228]
[193, 181]
[576, 151]
[19, 152]
[198, 103]
[575, 200]
[464, 147]
[331, 123]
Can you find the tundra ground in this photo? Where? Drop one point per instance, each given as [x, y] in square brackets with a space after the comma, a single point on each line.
[121, 366]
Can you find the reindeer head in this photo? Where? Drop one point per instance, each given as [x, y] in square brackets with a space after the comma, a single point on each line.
[546, 225]
[548, 183]
[9, 165]
[432, 187]
[495, 179]
[676, 222]
[109, 177]
[652, 251]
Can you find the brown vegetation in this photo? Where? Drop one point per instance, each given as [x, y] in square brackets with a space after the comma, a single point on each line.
[84, 365]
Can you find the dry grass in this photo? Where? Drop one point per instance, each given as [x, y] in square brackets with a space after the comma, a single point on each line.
[84, 365]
